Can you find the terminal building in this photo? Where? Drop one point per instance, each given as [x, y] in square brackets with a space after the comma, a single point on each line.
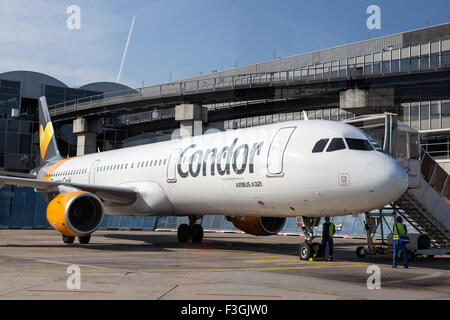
[406, 75]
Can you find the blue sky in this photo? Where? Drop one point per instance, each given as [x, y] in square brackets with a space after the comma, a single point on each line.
[175, 39]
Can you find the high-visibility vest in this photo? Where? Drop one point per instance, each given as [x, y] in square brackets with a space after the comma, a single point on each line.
[399, 230]
[331, 231]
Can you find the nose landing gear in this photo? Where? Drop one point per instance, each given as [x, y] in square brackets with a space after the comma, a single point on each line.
[309, 249]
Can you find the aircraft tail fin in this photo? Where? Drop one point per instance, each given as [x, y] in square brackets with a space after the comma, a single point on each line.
[47, 141]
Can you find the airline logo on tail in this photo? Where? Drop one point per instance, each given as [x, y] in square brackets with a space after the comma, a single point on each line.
[45, 136]
[47, 142]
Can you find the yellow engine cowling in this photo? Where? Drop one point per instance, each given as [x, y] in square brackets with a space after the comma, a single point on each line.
[259, 226]
[75, 214]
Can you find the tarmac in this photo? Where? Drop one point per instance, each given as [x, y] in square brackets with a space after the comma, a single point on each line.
[143, 265]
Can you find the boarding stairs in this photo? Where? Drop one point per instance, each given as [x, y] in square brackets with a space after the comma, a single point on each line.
[426, 205]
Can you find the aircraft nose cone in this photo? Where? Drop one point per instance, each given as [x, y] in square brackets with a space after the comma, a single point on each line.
[386, 180]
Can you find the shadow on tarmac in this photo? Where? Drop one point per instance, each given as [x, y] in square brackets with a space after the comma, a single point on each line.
[343, 251]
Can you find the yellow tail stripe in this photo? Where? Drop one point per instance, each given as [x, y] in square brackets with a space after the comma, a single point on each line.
[53, 169]
[45, 136]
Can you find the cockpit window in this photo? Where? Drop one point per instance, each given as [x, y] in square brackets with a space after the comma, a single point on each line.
[359, 144]
[320, 145]
[336, 144]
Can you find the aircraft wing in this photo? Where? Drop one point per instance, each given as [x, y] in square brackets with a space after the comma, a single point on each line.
[114, 194]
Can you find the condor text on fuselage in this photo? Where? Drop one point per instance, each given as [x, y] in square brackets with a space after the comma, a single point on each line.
[209, 160]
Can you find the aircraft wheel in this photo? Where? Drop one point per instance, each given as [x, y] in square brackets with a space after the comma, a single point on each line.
[197, 233]
[68, 239]
[316, 252]
[184, 233]
[305, 251]
[85, 239]
[360, 252]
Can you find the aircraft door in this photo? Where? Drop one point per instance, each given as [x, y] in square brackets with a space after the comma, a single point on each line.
[172, 166]
[92, 172]
[276, 151]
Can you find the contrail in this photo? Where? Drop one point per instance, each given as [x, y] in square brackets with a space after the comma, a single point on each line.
[126, 48]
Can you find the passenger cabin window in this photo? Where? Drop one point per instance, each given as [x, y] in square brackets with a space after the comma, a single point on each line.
[359, 144]
[336, 144]
[320, 145]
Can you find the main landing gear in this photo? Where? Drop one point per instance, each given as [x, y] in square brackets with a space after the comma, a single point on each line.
[309, 249]
[193, 231]
[82, 240]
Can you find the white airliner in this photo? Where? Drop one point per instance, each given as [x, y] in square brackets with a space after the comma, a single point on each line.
[256, 177]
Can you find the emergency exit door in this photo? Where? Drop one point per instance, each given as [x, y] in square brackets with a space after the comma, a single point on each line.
[92, 172]
[277, 148]
[172, 166]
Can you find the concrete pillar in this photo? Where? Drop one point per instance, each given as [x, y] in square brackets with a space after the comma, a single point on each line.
[360, 101]
[191, 118]
[86, 131]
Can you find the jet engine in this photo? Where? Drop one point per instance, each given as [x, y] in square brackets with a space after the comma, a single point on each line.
[75, 214]
[259, 226]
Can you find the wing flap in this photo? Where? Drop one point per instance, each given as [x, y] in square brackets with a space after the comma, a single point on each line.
[118, 195]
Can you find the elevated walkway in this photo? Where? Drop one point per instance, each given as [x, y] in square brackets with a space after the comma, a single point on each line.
[314, 78]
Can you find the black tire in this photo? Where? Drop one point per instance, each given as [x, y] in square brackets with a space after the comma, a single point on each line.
[84, 240]
[197, 233]
[360, 252]
[184, 233]
[316, 252]
[305, 251]
[68, 239]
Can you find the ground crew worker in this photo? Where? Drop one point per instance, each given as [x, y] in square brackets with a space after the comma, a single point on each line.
[328, 230]
[399, 230]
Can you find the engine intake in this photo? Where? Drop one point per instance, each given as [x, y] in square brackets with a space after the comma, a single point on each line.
[259, 226]
[75, 214]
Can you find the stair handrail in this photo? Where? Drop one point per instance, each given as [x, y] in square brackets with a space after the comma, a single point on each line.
[435, 175]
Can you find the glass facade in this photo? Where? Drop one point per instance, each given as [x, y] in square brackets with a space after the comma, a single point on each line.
[9, 97]
[410, 59]
[57, 95]
[433, 117]
[426, 115]
[334, 114]
[17, 152]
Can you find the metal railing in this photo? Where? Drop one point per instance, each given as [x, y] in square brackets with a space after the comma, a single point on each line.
[435, 175]
[354, 67]
[147, 116]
